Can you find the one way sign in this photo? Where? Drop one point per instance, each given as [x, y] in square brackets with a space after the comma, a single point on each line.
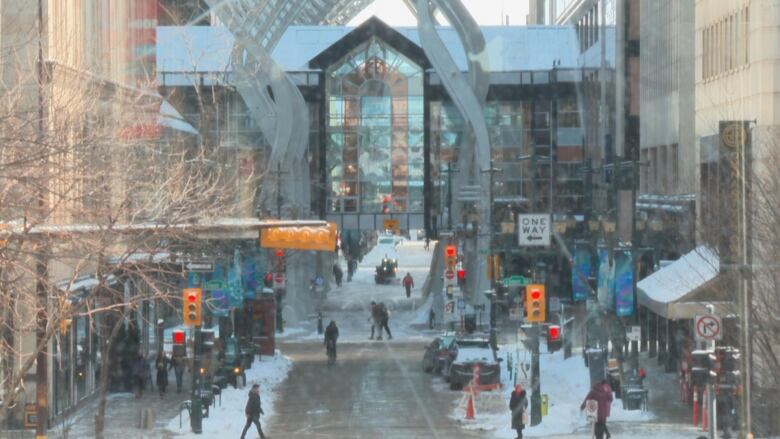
[533, 230]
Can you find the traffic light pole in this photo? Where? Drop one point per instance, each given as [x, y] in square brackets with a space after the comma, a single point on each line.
[536, 388]
[196, 410]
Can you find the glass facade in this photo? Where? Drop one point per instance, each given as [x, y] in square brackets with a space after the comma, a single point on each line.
[375, 131]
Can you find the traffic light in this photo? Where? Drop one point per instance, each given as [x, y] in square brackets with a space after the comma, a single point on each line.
[192, 306]
[450, 257]
[179, 344]
[554, 340]
[535, 303]
[301, 238]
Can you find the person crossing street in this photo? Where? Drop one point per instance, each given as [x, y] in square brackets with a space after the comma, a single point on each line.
[408, 284]
[253, 411]
[602, 394]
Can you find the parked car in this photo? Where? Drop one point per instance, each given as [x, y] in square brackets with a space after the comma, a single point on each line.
[469, 353]
[439, 354]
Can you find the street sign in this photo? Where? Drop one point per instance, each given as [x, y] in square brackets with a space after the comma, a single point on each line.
[449, 312]
[516, 281]
[461, 305]
[708, 328]
[533, 230]
[392, 224]
[555, 303]
[515, 313]
[449, 278]
[634, 333]
[279, 280]
[199, 267]
[470, 193]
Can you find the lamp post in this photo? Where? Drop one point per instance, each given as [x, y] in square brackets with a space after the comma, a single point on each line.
[449, 172]
[492, 171]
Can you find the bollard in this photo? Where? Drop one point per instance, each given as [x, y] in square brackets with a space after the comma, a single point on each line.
[319, 323]
[545, 402]
[704, 409]
[196, 415]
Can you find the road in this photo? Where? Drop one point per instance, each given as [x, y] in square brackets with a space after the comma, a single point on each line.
[375, 389]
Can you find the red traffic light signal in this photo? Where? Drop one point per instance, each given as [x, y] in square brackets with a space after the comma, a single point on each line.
[179, 337]
[536, 294]
[279, 253]
[535, 304]
[191, 309]
[553, 333]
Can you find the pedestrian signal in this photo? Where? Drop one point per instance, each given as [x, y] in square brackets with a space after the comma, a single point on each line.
[179, 344]
[192, 306]
[450, 257]
[554, 341]
[535, 303]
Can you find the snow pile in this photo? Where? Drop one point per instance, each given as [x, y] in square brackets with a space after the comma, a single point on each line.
[228, 420]
[566, 382]
[422, 314]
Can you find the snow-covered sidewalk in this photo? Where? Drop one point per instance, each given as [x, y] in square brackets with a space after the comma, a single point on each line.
[228, 419]
[565, 382]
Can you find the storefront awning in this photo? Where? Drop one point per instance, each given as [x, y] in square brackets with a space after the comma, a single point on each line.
[673, 291]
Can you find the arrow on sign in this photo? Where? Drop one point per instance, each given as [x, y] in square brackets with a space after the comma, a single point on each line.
[534, 238]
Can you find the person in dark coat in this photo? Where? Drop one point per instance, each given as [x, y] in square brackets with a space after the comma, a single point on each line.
[162, 364]
[602, 394]
[518, 403]
[332, 333]
[253, 411]
[376, 321]
[384, 318]
[178, 363]
[138, 370]
[337, 274]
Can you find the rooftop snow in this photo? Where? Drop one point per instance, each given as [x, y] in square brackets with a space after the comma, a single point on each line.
[662, 289]
[511, 48]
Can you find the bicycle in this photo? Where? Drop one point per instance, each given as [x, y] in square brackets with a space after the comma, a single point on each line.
[331, 351]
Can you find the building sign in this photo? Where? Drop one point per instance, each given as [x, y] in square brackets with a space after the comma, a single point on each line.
[624, 283]
[733, 162]
[533, 230]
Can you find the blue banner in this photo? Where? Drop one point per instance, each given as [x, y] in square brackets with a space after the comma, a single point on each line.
[219, 303]
[624, 283]
[605, 284]
[580, 273]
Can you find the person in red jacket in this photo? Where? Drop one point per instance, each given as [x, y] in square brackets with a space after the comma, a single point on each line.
[408, 284]
[602, 394]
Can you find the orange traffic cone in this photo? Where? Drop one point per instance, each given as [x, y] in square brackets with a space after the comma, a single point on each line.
[704, 410]
[470, 408]
[695, 406]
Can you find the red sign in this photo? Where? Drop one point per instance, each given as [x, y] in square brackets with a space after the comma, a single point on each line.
[279, 278]
[449, 274]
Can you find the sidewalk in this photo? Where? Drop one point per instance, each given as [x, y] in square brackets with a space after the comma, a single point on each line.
[123, 414]
[664, 395]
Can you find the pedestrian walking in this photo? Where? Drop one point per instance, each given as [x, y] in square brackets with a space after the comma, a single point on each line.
[375, 320]
[601, 392]
[163, 366]
[408, 284]
[518, 403]
[138, 369]
[178, 364]
[337, 274]
[253, 411]
[427, 243]
[384, 319]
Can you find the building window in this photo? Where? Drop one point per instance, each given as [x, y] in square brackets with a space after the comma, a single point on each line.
[725, 44]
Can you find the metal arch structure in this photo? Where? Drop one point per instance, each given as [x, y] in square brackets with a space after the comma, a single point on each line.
[469, 97]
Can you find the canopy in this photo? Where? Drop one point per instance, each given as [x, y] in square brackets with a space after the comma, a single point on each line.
[671, 291]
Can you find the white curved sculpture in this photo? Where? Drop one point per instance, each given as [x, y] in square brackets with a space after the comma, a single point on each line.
[469, 97]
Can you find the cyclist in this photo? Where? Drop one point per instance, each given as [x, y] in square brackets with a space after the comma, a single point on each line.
[331, 335]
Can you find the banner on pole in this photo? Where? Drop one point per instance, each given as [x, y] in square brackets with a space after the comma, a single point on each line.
[604, 281]
[580, 272]
[624, 283]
